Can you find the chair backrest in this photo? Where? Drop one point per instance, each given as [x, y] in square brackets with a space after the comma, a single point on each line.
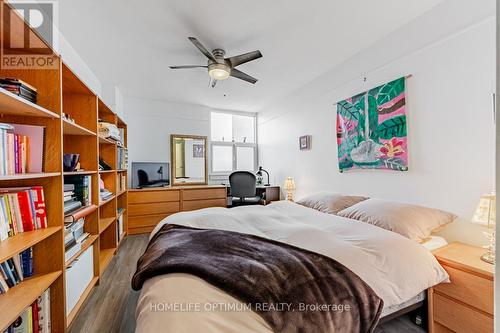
[143, 177]
[242, 184]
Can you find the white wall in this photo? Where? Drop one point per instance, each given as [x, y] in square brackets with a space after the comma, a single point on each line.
[151, 122]
[451, 131]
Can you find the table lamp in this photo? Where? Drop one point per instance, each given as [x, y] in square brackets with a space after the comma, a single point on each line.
[289, 188]
[259, 173]
[485, 215]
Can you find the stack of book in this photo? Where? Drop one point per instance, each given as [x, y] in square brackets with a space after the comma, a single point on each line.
[35, 318]
[19, 88]
[109, 131]
[74, 236]
[81, 186]
[21, 148]
[121, 158]
[21, 209]
[105, 194]
[15, 269]
[71, 202]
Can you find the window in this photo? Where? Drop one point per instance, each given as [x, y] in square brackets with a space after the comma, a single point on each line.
[233, 142]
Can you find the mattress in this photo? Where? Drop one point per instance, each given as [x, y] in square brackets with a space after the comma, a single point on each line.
[431, 244]
[365, 249]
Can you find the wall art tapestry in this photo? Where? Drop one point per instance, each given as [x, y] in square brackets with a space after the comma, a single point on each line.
[371, 129]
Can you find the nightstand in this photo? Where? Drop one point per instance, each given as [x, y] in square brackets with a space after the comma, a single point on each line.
[465, 304]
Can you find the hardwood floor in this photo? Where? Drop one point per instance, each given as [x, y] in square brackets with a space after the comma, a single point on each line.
[111, 306]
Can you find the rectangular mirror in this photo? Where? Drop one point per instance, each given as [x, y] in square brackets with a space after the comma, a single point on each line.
[189, 159]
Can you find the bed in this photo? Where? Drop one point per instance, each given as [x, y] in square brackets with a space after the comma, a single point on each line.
[397, 269]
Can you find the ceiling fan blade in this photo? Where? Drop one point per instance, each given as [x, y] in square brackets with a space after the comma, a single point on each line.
[242, 76]
[187, 66]
[243, 58]
[201, 48]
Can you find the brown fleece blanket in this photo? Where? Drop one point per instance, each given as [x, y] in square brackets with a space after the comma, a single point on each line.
[293, 289]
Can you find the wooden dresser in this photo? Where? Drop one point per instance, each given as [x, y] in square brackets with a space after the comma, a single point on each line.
[465, 304]
[149, 206]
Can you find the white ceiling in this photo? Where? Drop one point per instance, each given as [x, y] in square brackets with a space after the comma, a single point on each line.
[130, 44]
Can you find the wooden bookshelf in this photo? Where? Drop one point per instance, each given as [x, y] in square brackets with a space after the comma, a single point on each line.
[23, 295]
[60, 91]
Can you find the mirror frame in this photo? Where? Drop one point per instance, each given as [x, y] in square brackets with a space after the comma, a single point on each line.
[172, 156]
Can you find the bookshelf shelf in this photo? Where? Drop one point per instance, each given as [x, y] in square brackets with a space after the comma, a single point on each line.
[106, 141]
[104, 223]
[122, 170]
[14, 301]
[14, 105]
[120, 193]
[89, 241]
[102, 203]
[20, 242]
[106, 171]
[21, 176]
[105, 257]
[70, 128]
[73, 173]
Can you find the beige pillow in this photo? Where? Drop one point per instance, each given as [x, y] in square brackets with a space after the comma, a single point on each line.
[329, 202]
[411, 221]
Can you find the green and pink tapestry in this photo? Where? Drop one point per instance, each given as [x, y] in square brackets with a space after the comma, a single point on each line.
[371, 129]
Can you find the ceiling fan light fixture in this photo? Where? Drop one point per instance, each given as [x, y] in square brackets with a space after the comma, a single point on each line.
[218, 71]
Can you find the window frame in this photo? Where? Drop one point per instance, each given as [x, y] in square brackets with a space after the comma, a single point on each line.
[234, 145]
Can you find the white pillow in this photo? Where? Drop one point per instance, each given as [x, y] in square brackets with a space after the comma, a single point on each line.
[330, 202]
[413, 222]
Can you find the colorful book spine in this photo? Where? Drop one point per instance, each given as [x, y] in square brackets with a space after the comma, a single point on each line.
[22, 209]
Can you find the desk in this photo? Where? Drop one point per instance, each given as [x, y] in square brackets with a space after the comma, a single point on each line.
[267, 193]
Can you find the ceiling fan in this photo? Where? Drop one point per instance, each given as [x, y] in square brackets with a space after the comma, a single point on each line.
[220, 68]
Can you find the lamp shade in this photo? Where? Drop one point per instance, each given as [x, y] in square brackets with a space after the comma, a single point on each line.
[289, 184]
[485, 213]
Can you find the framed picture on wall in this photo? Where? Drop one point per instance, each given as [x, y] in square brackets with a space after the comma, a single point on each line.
[305, 142]
[198, 151]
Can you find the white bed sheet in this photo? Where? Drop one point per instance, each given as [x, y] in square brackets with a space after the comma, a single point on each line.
[395, 267]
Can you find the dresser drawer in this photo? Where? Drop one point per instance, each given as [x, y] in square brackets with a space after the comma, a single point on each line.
[145, 221]
[199, 204]
[153, 208]
[459, 317]
[205, 193]
[468, 288]
[136, 197]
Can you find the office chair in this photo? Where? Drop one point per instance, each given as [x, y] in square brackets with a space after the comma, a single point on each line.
[143, 178]
[243, 189]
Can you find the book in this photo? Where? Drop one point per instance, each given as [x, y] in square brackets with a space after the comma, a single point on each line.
[16, 260]
[26, 212]
[10, 278]
[44, 312]
[24, 323]
[38, 200]
[17, 82]
[77, 246]
[27, 262]
[34, 138]
[80, 213]
[82, 187]
[71, 206]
